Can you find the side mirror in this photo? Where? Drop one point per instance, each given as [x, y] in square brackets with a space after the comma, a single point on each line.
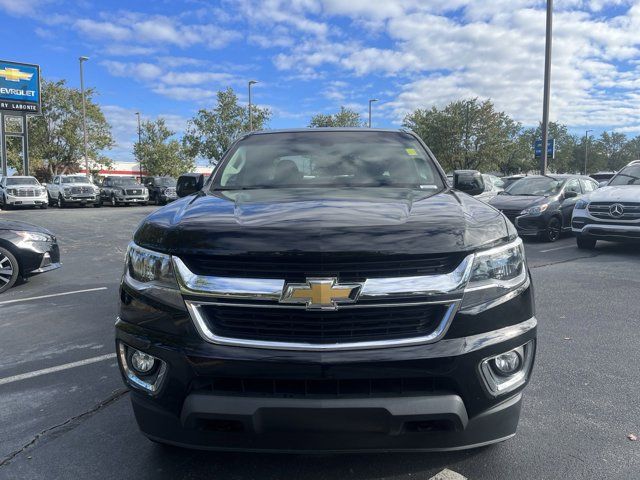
[603, 183]
[570, 194]
[468, 181]
[189, 184]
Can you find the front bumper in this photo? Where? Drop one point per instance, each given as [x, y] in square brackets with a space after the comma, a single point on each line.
[132, 198]
[39, 200]
[456, 412]
[530, 225]
[81, 198]
[586, 226]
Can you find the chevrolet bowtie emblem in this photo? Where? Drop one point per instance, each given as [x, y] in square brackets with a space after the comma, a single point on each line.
[14, 75]
[321, 293]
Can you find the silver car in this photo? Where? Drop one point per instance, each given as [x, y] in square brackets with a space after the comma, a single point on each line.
[73, 189]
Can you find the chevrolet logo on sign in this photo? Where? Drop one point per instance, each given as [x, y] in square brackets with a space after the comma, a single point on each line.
[14, 75]
[321, 293]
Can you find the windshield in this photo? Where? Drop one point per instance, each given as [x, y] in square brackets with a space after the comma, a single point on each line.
[538, 186]
[166, 182]
[22, 181]
[75, 180]
[124, 181]
[627, 176]
[328, 159]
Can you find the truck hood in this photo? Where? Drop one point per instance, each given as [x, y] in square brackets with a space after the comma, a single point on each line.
[374, 220]
[621, 193]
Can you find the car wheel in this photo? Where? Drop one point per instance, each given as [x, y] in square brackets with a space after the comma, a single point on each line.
[586, 243]
[553, 231]
[44, 206]
[144, 204]
[51, 200]
[98, 203]
[5, 205]
[61, 203]
[9, 269]
[114, 201]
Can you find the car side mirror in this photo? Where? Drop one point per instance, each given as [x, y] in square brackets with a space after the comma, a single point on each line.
[189, 184]
[570, 194]
[603, 183]
[468, 181]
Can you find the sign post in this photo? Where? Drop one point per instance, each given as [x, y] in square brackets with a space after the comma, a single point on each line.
[19, 97]
[551, 148]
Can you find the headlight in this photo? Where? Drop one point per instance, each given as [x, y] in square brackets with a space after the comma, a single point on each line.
[96, 190]
[147, 266]
[537, 210]
[33, 236]
[67, 189]
[12, 191]
[495, 273]
[581, 204]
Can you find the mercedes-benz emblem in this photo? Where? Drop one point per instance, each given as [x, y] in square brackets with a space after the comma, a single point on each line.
[616, 210]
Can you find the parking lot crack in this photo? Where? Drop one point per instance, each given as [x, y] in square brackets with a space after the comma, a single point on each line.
[65, 426]
[568, 260]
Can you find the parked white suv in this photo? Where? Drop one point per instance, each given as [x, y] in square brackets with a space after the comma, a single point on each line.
[73, 189]
[22, 190]
[611, 212]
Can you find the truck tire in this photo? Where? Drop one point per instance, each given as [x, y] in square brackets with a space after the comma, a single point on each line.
[114, 201]
[61, 202]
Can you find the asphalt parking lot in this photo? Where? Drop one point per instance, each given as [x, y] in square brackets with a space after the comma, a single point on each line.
[64, 411]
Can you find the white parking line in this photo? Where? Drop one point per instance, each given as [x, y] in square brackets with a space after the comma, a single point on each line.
[52, 295]
[66, 366]
[557, 248]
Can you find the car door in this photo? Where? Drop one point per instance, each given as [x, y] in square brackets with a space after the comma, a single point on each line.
[568, 203]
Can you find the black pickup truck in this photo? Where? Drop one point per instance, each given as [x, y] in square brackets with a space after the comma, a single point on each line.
[326, 290]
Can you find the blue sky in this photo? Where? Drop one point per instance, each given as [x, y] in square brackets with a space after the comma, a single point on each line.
[168, 58]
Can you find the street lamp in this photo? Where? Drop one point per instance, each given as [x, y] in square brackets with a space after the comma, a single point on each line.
[251, 82]
[547, 87]
[139, 146]
[83, 59]
[586, 149]
[370, 102]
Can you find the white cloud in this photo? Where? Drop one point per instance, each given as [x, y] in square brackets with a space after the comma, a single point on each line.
[138, 71]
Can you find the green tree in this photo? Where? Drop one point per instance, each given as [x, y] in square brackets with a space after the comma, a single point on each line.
[160, 154]
[616, 150]
[565, 148]
[211, 132]
[468, 134]
[56, 137]
[344, 118]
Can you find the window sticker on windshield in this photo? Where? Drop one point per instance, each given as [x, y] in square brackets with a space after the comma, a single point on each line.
[428, 187]
[411, 151]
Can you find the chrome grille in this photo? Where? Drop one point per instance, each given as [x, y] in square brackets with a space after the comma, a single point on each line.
[170, 192]
[134, 191]
[27, 192]
[601, 210]
[81, 190]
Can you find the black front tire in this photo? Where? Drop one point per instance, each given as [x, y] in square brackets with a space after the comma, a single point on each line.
[44, 206]
[114, 201]
[586, 243]
[9, 270]
[61, 202]
[98, 204]
[553, 231]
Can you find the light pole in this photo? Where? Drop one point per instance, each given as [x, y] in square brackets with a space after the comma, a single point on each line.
[586, 149]
[83, 59]
[370, 102]
[251, 82]
[547, 87]
[139, 146]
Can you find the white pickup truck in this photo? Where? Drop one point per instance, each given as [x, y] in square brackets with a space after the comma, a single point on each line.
[22, 190]
[73, 189]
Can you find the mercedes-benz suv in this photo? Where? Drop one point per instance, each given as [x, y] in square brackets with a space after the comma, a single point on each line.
[611, 212]
[326, 290]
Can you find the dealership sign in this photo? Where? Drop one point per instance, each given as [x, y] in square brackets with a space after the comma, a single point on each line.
[19, 87]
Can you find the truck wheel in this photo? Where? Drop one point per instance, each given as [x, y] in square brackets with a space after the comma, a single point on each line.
[9, 269]
[586, 243]
[51, 200]
[553, 231]
[44, 206]
[114, 201]
[98, 203]
[61, 203]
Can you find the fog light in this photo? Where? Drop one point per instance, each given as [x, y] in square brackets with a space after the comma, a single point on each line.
[508, 363]
[142, 362]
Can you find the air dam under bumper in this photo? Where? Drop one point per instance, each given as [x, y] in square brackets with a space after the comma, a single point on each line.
[434, 423]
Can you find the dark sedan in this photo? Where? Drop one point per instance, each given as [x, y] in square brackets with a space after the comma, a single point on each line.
[542, 205]
[25, 250]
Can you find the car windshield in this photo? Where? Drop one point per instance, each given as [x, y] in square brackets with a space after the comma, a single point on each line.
[166, 182]
[77, 179]
[328, 159]
[21, 181]
[627, 176]
[124, 181]
[538, 186]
